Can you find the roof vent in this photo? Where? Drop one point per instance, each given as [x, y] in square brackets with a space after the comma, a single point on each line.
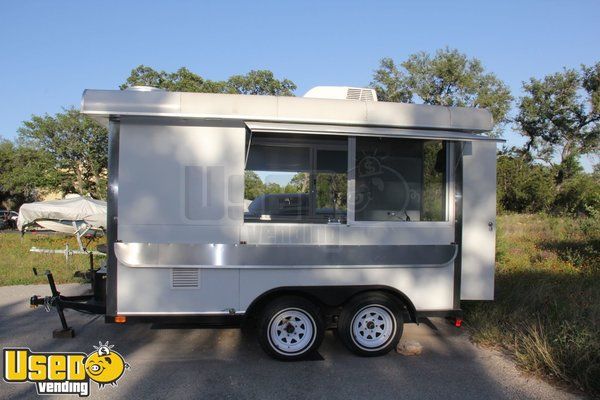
[342, 93]
[138, 88]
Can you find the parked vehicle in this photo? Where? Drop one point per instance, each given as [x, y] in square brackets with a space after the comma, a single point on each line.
[365, 215]
[282, 206]
[8, 219]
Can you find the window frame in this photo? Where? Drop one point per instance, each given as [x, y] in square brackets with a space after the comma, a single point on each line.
[318, 143]
[448, 198]
[314, 145]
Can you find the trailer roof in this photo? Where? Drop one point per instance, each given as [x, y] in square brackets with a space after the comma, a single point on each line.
[104, 104]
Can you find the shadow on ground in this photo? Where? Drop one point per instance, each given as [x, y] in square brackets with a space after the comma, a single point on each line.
[228, 363]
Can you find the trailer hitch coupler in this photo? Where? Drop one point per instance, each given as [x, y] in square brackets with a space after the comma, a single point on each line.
[34, 301]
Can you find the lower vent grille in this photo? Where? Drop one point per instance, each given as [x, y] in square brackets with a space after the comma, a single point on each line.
[185, 278]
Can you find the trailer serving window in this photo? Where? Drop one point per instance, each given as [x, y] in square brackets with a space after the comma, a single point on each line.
[400, 179]
[296, 178]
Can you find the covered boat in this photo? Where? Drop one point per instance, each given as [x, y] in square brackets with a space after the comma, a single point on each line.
[69, 215]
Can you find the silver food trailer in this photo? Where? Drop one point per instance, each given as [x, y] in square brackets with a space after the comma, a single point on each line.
[331, 210]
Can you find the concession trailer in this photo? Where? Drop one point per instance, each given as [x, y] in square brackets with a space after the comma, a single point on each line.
[332, 210]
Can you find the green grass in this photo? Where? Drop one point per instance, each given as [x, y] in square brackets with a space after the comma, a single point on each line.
[546, 312]
[16, 261]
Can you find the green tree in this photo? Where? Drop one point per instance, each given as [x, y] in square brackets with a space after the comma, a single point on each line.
[332, 190]
[77, 149]
[182, 80]
[523, 186]
[261, 82]
[432, 201]
[24, 171]
[273, 188]
[560, 117]
[253, 185]
[391, 83]
[448, 78]
[300, 183]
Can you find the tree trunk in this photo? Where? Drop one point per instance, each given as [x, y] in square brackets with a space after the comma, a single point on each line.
[565, 154]
[79, 181]
[96, 178]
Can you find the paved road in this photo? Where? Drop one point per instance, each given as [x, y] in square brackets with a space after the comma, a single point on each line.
[228, 364]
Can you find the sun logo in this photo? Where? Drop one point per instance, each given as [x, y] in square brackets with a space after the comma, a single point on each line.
[105, 366]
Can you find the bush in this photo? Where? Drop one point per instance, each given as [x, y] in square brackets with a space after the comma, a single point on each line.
[528, 187]
[579, 194]
[523, 186]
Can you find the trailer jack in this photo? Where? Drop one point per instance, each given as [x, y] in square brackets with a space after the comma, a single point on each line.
[82, 303]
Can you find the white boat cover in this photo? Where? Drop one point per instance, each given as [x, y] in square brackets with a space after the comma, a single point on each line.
[73, 208]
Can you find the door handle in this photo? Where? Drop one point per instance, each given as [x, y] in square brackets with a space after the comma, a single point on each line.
[491, 225]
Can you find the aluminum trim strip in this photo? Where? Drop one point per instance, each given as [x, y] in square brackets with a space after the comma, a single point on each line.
[177, 313]
[234, 256]
[114, 134]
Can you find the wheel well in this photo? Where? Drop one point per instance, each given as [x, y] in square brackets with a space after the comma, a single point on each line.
[330, 296]
[261, 301]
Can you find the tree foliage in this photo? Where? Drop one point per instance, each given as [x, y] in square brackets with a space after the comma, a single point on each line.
[182, 80]
[76, 147]
[391, 83]
[579, 195]
[523, 186]
[332, 190]
[448, 78]
[23, 171]
[253, 185]
[261, 82]
[560, 117]
[528, 186]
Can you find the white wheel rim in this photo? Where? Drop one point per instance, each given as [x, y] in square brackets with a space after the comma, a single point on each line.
[291, 331]
[373, 327]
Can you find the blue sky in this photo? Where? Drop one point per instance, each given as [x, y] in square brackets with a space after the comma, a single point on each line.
[50, 51]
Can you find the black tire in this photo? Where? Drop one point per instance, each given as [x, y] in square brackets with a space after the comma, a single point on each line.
[374, 308]
[302, 334]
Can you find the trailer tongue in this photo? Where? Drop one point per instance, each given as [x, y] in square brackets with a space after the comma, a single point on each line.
[89, 303]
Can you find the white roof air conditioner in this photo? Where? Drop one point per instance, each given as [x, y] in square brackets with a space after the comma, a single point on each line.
[342, 93]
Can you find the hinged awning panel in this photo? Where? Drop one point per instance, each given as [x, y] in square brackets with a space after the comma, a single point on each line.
[313, 129]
